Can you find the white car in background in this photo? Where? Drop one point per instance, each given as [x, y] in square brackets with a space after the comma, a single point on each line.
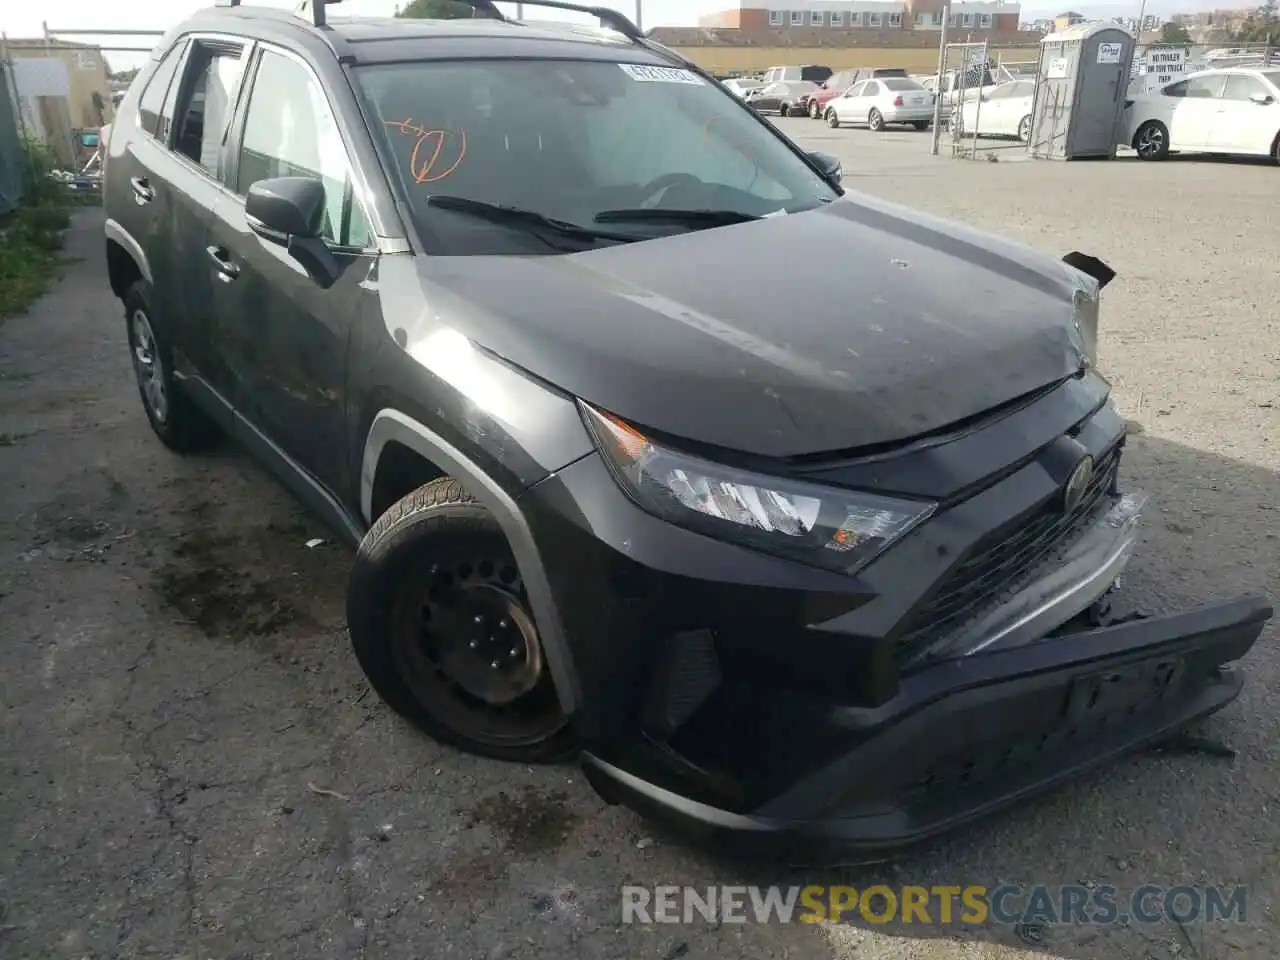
[1004, 111]
[741, 86]
[878, 103]
[1213, 111]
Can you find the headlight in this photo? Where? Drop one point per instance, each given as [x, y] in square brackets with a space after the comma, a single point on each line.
[1085, 317]
[826, 527]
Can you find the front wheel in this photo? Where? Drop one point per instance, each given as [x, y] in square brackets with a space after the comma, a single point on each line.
[875, 121]
[814, 111]
[833, 120]
[440, 623]
[1152, 141]
[1024, 129]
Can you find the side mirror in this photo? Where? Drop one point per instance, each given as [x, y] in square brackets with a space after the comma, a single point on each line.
[289, 212]
[1262, 99]
[828, 165]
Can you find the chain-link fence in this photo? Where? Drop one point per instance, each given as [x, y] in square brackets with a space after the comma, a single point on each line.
[12, 156]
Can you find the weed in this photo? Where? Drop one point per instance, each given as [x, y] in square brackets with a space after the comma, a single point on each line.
[31, 237]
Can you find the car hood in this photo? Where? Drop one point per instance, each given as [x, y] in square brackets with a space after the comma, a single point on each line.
[858, 323]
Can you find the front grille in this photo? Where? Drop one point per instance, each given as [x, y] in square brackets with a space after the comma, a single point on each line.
[998, 563]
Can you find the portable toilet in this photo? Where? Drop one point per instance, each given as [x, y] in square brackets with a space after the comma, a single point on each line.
[1081, 86]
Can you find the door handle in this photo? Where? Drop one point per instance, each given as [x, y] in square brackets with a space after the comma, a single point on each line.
[142, 190]
[226, 267]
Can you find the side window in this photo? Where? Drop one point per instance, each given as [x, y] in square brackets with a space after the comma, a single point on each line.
[153, 97]
[1241, 86]
[290, 131]
[1205, 87]
[208, 98]
[857, 88]
[871, 89]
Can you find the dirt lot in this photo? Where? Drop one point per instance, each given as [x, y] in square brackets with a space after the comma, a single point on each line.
[191, 766]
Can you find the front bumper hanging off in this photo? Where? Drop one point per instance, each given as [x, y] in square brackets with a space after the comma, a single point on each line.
[967, 736]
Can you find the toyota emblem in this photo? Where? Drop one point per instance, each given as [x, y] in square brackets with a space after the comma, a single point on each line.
[1077, 485]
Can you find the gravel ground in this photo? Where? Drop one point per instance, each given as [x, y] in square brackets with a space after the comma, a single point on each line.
[191, 766]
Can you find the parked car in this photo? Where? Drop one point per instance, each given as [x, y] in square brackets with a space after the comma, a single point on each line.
[741, 86]
[1003, 112]
[816, 566]
[782, 98]
[1212, 111]
[878, 103]
[838, 83]
[814, 103]
[810, 73]
[963, 84]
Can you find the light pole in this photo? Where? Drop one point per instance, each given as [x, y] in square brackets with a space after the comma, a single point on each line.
[640, 14]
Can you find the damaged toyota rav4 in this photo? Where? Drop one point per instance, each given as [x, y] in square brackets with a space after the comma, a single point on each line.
[816, 558]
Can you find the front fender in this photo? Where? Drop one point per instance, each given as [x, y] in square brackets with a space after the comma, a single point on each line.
[393, 426]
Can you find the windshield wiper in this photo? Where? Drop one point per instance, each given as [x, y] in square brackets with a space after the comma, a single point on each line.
[518, 217]
[693, 218]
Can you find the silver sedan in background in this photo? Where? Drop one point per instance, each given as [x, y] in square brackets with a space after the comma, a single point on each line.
[878, 103]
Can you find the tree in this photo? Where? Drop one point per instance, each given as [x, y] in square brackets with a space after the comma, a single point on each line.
[1262, 27]
[1174, 33]
[436, 10]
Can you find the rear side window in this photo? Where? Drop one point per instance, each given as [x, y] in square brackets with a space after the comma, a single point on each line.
[152, 100]
[871, 89]
[211, 86]
[290, 131]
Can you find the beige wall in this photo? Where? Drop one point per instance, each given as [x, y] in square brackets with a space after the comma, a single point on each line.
[918, 60]
[86, 72]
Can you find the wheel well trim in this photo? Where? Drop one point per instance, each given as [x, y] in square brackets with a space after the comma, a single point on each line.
[393, 426]
[120, 235]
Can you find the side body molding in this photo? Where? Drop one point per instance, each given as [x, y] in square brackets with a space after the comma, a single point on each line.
[392, 425]
[120, 235]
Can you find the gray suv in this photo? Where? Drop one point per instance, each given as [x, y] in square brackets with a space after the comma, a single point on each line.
[818, 559]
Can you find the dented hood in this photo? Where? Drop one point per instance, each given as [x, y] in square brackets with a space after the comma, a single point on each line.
[859, 323]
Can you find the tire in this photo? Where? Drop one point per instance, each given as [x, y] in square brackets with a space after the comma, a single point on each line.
[1024, 129]
[180, 424]
[921, 124]
[833, 121]
[875, 121]
[784, 110]
[435, 578]
[815, 112]
[1275, 148]
[1151, 141]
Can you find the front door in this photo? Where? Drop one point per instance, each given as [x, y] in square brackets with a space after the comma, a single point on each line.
[1241, 123]
[286, 333]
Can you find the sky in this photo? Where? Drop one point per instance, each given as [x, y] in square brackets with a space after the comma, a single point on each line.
[23, 18]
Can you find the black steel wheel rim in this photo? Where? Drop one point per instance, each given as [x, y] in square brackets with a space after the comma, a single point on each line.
[467, 647]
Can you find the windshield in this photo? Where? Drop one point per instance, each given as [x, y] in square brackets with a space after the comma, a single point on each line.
[571, 140]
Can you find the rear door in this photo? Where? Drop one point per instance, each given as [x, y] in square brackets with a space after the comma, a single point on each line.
[193, 130]
[1195, 105]
[865, 100]
[284, 334]
[1243, 124]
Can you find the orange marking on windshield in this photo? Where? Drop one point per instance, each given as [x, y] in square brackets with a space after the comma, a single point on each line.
[423, 169]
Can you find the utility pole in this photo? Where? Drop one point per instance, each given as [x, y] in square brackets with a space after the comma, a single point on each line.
[640, 14]
[937, 84]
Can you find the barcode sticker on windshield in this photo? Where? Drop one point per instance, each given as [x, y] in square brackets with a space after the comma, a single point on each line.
[648, 74]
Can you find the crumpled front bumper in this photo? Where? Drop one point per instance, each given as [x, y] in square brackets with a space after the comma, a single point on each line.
[967, 736]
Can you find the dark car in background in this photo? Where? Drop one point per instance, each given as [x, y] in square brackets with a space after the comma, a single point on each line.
[817, 564]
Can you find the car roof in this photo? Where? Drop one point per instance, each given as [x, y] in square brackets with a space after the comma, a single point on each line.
[361, 40]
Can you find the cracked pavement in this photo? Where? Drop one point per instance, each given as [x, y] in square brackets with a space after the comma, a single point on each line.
[191, 765]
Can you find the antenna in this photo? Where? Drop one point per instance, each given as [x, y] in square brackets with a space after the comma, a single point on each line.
[312, 10]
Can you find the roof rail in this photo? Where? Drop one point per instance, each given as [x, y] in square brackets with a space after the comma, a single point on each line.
[612, 18]
[312, 10]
